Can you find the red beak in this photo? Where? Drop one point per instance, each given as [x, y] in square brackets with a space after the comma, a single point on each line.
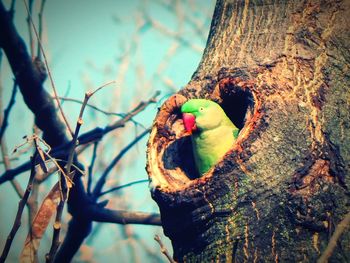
[189, 122]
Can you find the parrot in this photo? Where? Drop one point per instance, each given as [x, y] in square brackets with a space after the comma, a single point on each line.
[212, 132]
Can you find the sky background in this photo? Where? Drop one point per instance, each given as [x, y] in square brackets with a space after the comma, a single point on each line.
[144, 46]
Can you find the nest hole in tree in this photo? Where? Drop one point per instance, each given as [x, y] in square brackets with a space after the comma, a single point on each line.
[237, 102]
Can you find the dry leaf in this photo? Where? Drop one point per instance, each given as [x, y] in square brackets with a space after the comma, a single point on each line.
[39, 225]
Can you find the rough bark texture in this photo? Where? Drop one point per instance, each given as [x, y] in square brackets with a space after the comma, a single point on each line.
[280, 69]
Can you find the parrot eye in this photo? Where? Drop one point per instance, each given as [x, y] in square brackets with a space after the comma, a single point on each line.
[201, 109]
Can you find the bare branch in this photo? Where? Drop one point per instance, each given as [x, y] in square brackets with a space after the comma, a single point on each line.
[78, 229]
[177, 36]
[7, 165]
[100, 183]
[146, 246]
[40, 15]
[123, 186]
[75, 142]
[21, 205]
[66, 177]
[30, 32]
[57, 225]
[8, 175]
[198, 26]
[29, 82]
[48, 70]
[163, 249]
[108, 113]
[100, 214]
[91, 168]
[88, 137]
[8, 109]
[140, 107]
[4, 120]
[93, 107]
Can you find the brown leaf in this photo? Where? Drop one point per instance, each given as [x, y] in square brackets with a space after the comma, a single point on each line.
[39, 225]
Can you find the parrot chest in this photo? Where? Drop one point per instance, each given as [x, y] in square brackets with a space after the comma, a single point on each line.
[210, 146]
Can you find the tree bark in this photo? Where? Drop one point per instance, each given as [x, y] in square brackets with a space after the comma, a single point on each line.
[280, 70]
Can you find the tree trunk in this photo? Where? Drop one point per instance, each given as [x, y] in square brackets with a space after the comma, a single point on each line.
[280, 70]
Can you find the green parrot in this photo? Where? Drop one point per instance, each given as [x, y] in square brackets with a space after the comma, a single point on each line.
[212, 132]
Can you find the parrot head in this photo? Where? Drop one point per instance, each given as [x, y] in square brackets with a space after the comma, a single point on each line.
[201, 114]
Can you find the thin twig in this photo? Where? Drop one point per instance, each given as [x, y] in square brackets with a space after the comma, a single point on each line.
[48, 71]
[123, 186]
[55, 161]
[27, 140]
[198, 26]
[140, 107]
[66, 93]
[93, 107]
[76, 168]
[339, 230]
[57, 225]
[88, 95]
[146, 246]
[176, 35]
[101, 181]
[163, 249]
[7, 165]
[40, 15]
[31, 40]
[108, 113]
[41, 153]
[91, 167]
[8, 109]
[66, 178]
[101, 87]
[21, 205]
[4, 122]
[22, 151]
